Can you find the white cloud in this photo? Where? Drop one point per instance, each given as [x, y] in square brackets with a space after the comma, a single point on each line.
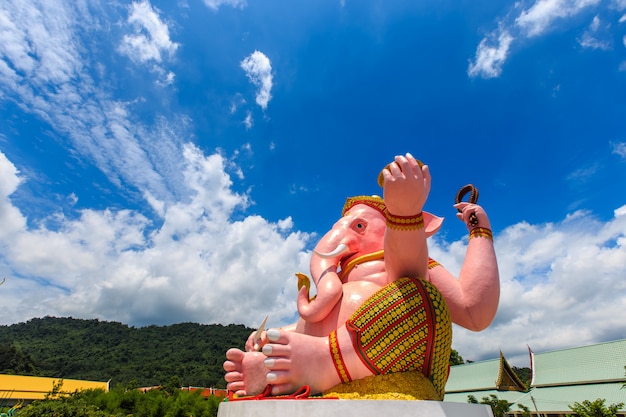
[619, 148]
[150, 43]
[168, 79]
[39, 47]
[151, 38]
[619, 5]
[523, 23]
[259, 70]
[248, 122]
[215, 4]
[591, 37]
[541, 16]
[199, 265]
[491, 55]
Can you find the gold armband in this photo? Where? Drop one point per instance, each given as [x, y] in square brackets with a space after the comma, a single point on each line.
[481, 232]
[405, 222]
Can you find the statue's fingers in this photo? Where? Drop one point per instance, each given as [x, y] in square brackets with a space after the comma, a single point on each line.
[415, 166]
[461, 206]
[427, 178]
[404, 164]
[395, 170]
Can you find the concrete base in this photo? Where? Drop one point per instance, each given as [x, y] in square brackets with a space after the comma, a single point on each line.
[351, 408]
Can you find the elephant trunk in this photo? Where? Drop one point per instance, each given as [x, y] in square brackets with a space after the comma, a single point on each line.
[324, 263]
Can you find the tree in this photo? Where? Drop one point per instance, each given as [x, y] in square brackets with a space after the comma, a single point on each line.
[595, 408]
[524, 375]
[499, 407]
[525, 410]
[455, 358]
[14, 361]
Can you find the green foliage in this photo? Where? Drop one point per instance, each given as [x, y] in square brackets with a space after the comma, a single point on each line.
[14, 361]
[525, 410]
[595, 408]
[499, 408]
[101, 351]
[121, 402]
[524, 375]
[455, 358]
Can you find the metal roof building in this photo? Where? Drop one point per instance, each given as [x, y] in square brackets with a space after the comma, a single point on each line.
[559, 379]
[16, 388]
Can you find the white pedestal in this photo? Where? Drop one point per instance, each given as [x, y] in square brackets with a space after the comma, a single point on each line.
[351, 408]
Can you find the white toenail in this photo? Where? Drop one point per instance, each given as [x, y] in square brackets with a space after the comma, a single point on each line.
[267, 350]
[271, 377]
[273, 334]
[269, 362]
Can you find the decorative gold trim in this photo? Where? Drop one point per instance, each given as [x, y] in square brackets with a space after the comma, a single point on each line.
[373, 201]
[481, 232]
[432, 263]
[408, 386]
[335, 352]
[406, 223]
[374, 256]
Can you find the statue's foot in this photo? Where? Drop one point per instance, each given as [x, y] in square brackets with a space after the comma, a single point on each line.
[290, 360]
[296, 359]
[246, 373]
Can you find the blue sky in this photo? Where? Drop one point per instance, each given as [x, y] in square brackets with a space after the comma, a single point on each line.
[166, 161]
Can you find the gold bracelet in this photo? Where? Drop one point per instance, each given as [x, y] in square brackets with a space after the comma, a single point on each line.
[335, 352]
[481, 232]
[405, 222]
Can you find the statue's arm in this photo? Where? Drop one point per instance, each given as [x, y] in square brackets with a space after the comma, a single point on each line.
[406, 188]
[473, 297]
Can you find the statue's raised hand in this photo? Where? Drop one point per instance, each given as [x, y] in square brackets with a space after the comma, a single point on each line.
[466, 212]
[406, 185]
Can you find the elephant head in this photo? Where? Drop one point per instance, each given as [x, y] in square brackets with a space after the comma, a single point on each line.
[359, 232]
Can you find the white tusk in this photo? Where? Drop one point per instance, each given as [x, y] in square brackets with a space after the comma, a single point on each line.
[341, 248]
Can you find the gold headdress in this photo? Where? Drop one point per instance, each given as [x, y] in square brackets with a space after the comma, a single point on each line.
[373, 201]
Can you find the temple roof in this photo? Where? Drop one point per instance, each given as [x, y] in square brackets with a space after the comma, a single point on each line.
[560, 378]
[495, 374]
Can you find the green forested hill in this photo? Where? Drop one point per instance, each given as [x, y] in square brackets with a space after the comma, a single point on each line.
[100, 351]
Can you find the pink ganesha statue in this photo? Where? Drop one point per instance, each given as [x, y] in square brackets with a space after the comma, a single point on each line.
[381, 321]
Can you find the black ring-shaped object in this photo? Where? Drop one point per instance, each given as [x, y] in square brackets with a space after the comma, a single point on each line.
[473, 192]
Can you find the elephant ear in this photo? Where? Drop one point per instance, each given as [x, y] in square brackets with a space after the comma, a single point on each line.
[432, 223]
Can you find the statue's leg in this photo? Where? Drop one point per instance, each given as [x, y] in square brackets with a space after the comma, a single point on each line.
[404, 327]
